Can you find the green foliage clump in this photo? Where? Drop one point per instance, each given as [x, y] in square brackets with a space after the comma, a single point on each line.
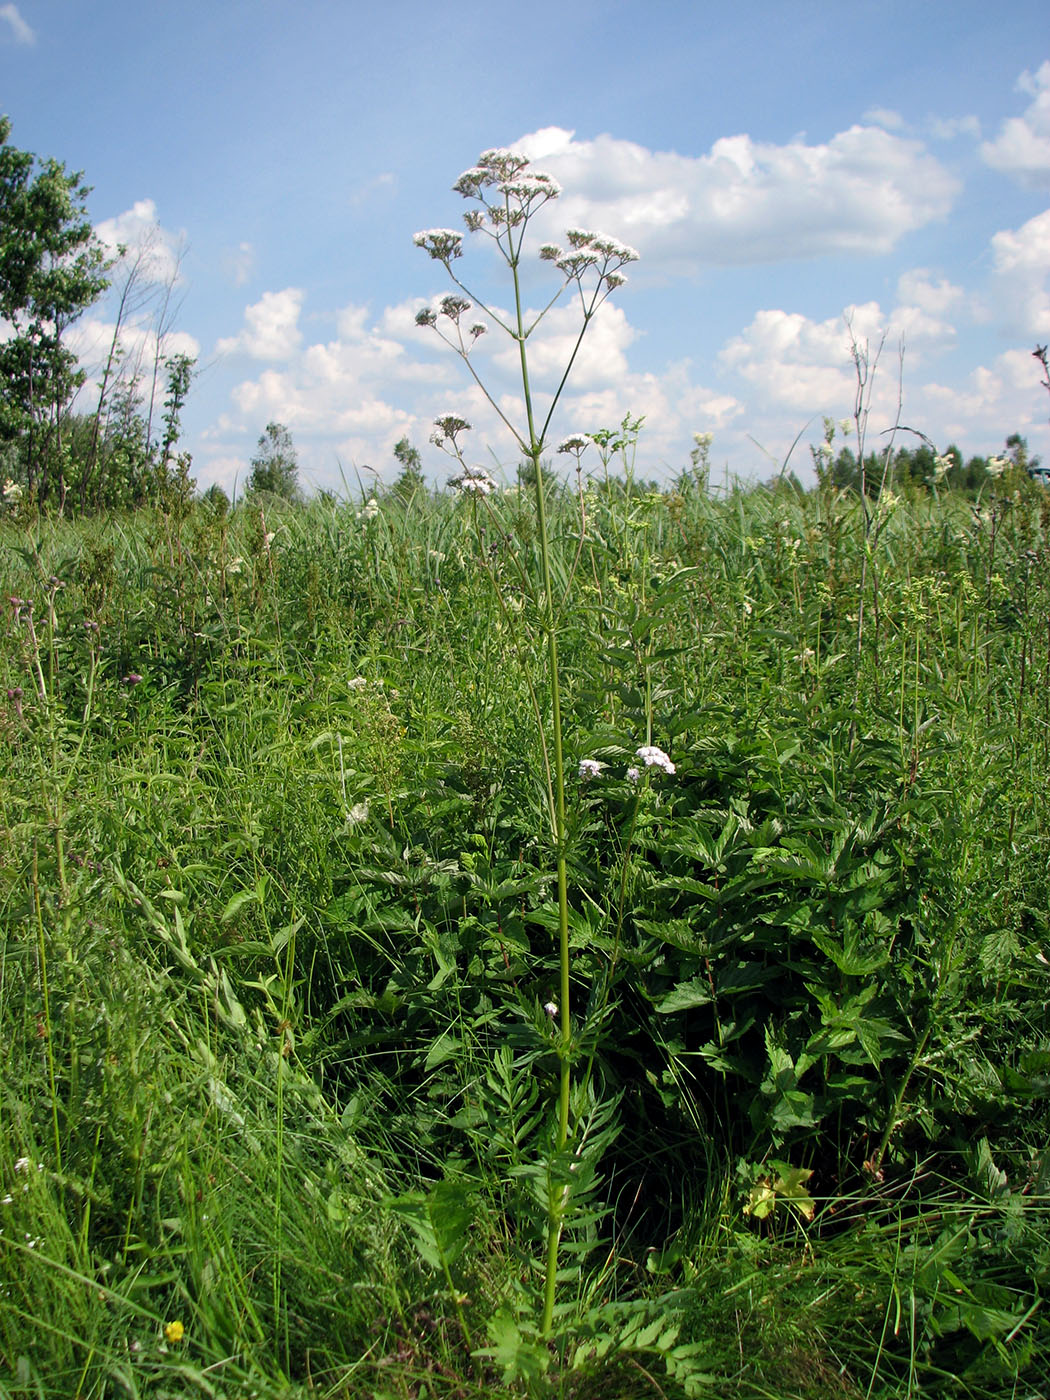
[278, 944]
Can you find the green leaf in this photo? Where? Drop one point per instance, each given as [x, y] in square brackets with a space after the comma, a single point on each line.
[686, 995]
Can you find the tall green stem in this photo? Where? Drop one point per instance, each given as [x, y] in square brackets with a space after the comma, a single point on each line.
[556, 1210]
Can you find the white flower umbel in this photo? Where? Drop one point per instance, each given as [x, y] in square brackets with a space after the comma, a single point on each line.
[590, 768]
[654, 757]
[443, 244]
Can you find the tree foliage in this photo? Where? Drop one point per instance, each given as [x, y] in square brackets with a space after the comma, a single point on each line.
[275, 466]
[52, 268]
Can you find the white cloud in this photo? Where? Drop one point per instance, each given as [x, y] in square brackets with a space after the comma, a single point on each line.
[271, 327]
[238, 262]
[746, 201]
[154, 252]
[800, 364]
[601, 358]
[1022, 148]
[229, 472]
[384, 184]
[884, 116]
[990, 403]
[804, 368]
[1020, 276]
[920, 313]
[91, 339]
[349, 399]
[948, 128]
[20, 31]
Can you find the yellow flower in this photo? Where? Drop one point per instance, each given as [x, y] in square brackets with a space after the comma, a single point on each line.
[174, 1331]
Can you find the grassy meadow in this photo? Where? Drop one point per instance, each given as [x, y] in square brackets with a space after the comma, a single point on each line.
[279, 965]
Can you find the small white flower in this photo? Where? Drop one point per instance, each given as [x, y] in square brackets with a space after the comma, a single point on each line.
[7, 1200]
[551, 1008]
[654, 757]
[23, 1164]
[358, 683]
[369, 510]
[633, 774]
[997, 465]
[590, 768]
[234, 566]
[12, 491]
[358, 813]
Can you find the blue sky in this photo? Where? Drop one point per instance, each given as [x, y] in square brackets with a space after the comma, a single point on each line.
[775, 165]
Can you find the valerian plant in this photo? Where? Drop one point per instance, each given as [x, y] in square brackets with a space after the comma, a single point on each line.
[506, 194]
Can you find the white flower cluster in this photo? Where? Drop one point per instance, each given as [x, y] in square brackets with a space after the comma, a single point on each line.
[443, 244]
[473, 481]
[446, 426]
[12, 491]
[591, 250]
[997, 466]
[590, 768]
[942, 466]
[654, 757]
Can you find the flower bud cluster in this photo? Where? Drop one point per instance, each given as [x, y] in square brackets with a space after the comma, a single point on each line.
[443, 244]
[575, 443]
[508, 191]
[446, 428]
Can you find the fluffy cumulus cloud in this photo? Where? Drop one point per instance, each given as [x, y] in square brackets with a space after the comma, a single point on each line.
[992, 401]
[747, 201]
[1022, 147]
[152, 251]
[271, 328]
[17, 27]
[348, 399]
[797, 366]
[1020, 278]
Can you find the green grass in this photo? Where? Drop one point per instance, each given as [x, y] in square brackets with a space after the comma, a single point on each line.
[279, 924]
